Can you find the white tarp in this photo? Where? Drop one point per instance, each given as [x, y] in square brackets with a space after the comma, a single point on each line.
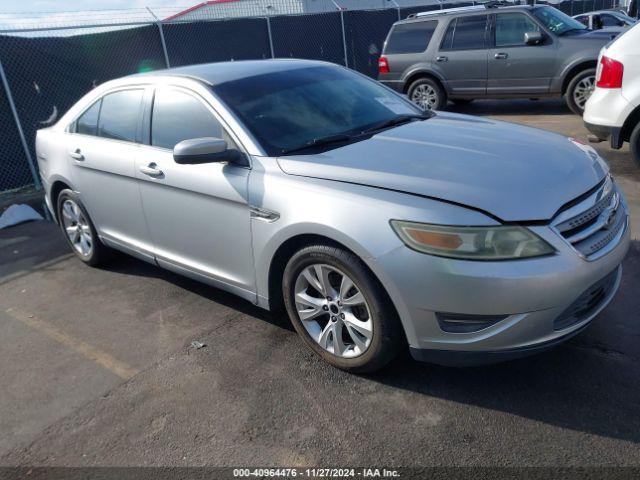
[16, 214]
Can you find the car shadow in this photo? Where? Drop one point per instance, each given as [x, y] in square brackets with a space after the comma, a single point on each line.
[512, 107]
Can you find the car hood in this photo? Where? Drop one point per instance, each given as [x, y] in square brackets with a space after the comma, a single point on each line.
[513, 172]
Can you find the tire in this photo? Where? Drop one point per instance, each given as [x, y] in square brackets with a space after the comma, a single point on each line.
[579, 90]
[427, 94]
[84, 242]
[386, 334]
[634, 143]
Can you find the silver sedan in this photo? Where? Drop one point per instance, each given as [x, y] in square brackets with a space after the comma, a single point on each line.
[305, 186]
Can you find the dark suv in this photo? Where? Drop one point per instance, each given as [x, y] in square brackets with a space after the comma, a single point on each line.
[492, 52]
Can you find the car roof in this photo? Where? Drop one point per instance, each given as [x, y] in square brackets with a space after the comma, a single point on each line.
[222, 72]
[459, 11]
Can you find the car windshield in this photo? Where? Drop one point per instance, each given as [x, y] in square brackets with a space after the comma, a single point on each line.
[556, 21]
[304, 107]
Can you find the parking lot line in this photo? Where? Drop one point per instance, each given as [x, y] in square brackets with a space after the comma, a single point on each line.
[103, 359]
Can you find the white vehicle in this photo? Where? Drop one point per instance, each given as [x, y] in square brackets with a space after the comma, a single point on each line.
[613, 110]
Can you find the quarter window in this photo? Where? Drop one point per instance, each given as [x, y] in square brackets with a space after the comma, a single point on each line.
[178, 116]
[119, 115]
[410, 37]
[87, 123]
[511, 27]
[465, 33]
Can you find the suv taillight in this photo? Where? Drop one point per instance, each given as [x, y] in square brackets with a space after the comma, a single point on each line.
[383, 65]
[610, 73]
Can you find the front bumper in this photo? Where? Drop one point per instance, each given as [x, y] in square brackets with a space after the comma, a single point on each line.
[531, 294]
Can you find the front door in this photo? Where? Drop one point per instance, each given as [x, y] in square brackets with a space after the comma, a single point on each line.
[515, 67]
[462, 57]
[198, 215]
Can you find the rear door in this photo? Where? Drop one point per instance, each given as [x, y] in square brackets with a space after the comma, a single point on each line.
[102, 149]
[462, 56]
[514, 66]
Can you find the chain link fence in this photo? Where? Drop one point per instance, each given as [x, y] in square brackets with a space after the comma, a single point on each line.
[44, 71]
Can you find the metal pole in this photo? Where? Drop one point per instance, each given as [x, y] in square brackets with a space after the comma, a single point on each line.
[344, 35]
[344, 40]
[164, 44]
[398, 8]
[16, 118]
[273, 55]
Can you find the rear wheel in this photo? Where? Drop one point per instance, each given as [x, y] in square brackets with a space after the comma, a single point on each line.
[78, 229]
[634, 142]
[580, 89]
[340, 311]
[427, 94]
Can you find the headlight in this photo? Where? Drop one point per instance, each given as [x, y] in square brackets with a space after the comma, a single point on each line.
[472, 243]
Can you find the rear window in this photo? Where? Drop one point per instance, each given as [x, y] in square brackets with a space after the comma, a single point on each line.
[410, 37]
[465, 33]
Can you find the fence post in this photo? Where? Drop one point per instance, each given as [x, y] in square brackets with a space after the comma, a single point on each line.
[23, 140]
[273, 54]
[344, 40]
[162, 42]
[397, 8]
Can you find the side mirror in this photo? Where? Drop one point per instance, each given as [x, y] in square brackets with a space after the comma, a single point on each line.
[204, 150]
[533, 38]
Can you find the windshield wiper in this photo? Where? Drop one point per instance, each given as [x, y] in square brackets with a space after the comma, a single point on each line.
[317, 142]
[399, 120]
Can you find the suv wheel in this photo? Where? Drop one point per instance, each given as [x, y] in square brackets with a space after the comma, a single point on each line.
[427, 94]
[580, 89]
[634, 142]
[340, 311]
[78, 229]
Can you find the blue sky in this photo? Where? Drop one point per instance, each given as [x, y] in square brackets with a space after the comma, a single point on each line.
[38, 6]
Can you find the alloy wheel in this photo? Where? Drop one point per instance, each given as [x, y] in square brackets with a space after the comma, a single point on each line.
[77, 228]
[333, 310]
[583, 90]
[425, 96]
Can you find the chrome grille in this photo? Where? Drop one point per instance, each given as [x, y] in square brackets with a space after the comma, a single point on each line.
[599, 224]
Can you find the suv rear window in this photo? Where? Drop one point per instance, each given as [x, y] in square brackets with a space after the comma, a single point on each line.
[465, 33]
[410, 37]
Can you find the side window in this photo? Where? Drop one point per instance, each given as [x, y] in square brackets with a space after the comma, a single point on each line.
[583, 19]
[87, 123]
[119, 115]
[465, 33]
[511, 27]
[610, 20]
[410, 37]
[178, 116]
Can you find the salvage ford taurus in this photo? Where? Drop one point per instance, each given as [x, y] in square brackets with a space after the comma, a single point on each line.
[304, 185]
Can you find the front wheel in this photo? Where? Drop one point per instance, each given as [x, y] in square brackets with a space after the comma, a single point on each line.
[427, 94]
[341, 312]
[580, 89]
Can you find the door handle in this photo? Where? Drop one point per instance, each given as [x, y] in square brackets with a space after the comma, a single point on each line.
[500, 56]
[441, 58]
[77, 155]
[152, 170]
